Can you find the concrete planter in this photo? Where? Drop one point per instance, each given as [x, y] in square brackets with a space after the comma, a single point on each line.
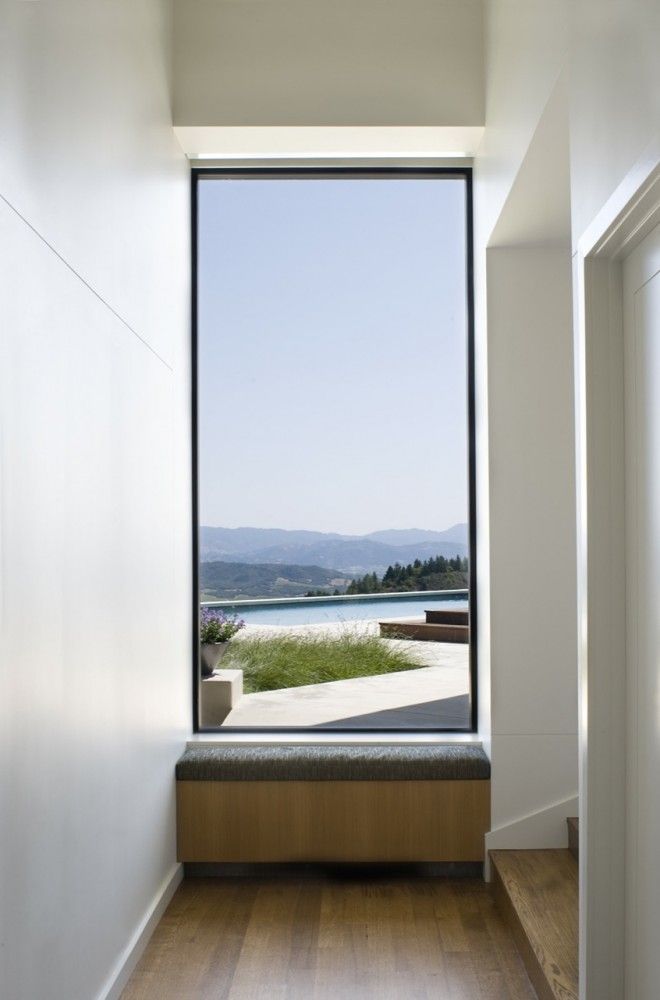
[211, 655]
[218, 695]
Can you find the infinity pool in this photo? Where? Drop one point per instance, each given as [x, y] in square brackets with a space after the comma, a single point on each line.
[319, 610]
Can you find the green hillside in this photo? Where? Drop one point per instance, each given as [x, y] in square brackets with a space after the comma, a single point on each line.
[233, 581]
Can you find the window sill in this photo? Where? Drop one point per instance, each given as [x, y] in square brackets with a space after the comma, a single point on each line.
[208, 739]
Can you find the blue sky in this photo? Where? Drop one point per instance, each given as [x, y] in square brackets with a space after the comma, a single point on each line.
[332, 354]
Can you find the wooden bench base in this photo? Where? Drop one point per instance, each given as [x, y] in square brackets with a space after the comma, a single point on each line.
[332, 821]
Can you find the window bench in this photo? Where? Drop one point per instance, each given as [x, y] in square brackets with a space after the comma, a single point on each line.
[333, 803]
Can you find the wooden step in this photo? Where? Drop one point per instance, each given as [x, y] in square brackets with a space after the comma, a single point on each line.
[537, 892]
[447, 616]
[574, 836]
[423, 631]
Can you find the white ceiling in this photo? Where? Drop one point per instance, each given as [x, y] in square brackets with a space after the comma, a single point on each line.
[338, 63]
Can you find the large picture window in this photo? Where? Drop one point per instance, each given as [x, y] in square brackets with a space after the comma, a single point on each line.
[334, 541]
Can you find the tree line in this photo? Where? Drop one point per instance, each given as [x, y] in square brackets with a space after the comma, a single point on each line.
[438, 573]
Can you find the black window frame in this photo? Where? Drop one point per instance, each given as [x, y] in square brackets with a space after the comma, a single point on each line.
[333, 172]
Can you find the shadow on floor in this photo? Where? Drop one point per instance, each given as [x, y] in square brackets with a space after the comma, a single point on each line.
[444, 713]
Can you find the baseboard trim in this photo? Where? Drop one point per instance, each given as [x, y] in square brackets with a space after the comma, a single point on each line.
[131, 954]
[544, 828]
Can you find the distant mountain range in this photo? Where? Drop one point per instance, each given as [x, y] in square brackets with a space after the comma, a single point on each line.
[344, 555]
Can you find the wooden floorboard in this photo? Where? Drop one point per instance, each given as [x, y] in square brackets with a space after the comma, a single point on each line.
[359, 938]
[537, 892]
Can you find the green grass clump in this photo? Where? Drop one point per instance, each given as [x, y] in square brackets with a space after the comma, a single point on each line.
[269, 664]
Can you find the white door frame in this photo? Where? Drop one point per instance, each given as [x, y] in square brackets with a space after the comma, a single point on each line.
[626, 218]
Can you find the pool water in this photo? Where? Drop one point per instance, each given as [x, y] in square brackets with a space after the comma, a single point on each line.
[317, 611]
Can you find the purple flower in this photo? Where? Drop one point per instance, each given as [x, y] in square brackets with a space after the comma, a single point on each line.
[218, 626]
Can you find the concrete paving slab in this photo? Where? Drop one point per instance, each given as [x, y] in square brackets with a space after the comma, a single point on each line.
[435, 695]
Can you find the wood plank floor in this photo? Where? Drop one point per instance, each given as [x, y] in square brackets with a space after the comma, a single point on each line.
[331, 939]
[538, 893]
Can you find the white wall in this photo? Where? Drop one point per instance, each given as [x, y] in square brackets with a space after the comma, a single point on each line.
[614, 97]
[532, 534]
[526, 509]
[614, 119]
[94, 494]
[600, 58]
[610, 49]
[525, 51]
[312, 62]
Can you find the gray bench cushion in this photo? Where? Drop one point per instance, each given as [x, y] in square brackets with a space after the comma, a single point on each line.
[423, 762]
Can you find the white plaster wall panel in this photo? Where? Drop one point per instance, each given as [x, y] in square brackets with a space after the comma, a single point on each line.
[94, 486]
[530, 772]
[307, 62]
[641, 307]
[537, 210]
[610, 48]
[532, 493]
[526, 43]
[87, 153]
[481, 408]
[615, 97]
[613, 93]
[95, 686]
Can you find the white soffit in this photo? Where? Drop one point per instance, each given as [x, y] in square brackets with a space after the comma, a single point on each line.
[537, 211]
[270, 142]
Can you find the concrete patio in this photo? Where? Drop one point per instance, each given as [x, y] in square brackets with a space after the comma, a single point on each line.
[434, 696]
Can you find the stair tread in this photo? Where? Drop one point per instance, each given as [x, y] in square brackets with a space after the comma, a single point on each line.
[541, 888]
